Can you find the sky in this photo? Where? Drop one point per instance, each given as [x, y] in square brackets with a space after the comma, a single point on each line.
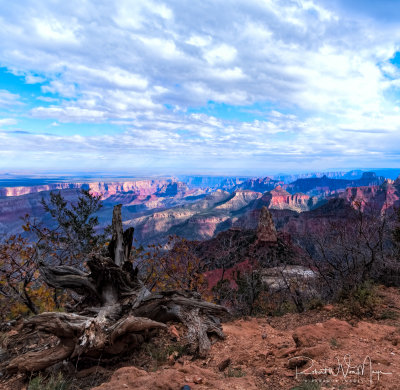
[203, 87]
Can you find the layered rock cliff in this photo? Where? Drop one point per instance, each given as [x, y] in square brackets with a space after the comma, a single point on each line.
[280, 199]
[163, 187]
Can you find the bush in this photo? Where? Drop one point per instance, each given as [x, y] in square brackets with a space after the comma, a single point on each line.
[389, 315]
[53, 382]
[160, 353]
[315, 304]
[334, 343]
[361, 300]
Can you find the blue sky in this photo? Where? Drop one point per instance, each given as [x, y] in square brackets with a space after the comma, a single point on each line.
[167, 87]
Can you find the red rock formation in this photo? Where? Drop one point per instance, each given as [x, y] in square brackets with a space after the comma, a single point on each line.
[266, 232]
[18, 191]
[380, 197]
[280, 199]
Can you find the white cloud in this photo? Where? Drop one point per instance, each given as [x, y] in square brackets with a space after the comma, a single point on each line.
[66, 114]
[60, 87]
[220, 54]
[8, 99]
[47, 99]
[32, 79]
[8, 121]
[52, 29]
[199, 41]
[326, 74]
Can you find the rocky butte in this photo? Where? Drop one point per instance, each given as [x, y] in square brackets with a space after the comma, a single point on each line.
[266, 232]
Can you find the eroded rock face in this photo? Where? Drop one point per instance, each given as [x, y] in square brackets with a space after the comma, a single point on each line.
[266, 232]
[380, 197]
[280, 199]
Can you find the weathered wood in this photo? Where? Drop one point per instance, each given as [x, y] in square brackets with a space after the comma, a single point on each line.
[120, 313]
[165, 305]
[36, 361]
[79, 335]
[128, 239]
[133, 324]
[199, 317]
[120, 246]
[67, 277]
[63, 325]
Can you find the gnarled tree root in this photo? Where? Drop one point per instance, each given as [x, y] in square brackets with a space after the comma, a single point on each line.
[126, 312]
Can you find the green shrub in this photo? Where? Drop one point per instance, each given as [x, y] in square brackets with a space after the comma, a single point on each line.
[389, 315]
[361, 300]
[285, 308]
[160, 353]
[315, 304]
[53, 382]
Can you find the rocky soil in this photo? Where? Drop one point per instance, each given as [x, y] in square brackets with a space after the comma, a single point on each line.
[313, 350]
[319, 349]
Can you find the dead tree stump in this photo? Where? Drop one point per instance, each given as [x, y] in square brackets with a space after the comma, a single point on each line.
[117, 311]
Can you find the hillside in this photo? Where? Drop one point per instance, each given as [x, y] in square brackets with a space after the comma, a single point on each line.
[262, 353]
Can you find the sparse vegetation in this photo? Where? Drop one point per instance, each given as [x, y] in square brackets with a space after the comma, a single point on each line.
[307, 385]
[69, 240]
[361, 300]
[178, 268]
[334, 342]
[52, 382]
[389, 315]
[160, 353]
[233, 372]
[315, 304]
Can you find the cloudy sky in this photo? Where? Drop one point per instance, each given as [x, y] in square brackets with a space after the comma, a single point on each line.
[252, 86]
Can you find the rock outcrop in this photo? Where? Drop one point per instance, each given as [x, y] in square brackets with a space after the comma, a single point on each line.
[280, 199]
[266, 232]
[381, 197]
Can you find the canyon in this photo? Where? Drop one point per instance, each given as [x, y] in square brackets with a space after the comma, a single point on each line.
[201, 207]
